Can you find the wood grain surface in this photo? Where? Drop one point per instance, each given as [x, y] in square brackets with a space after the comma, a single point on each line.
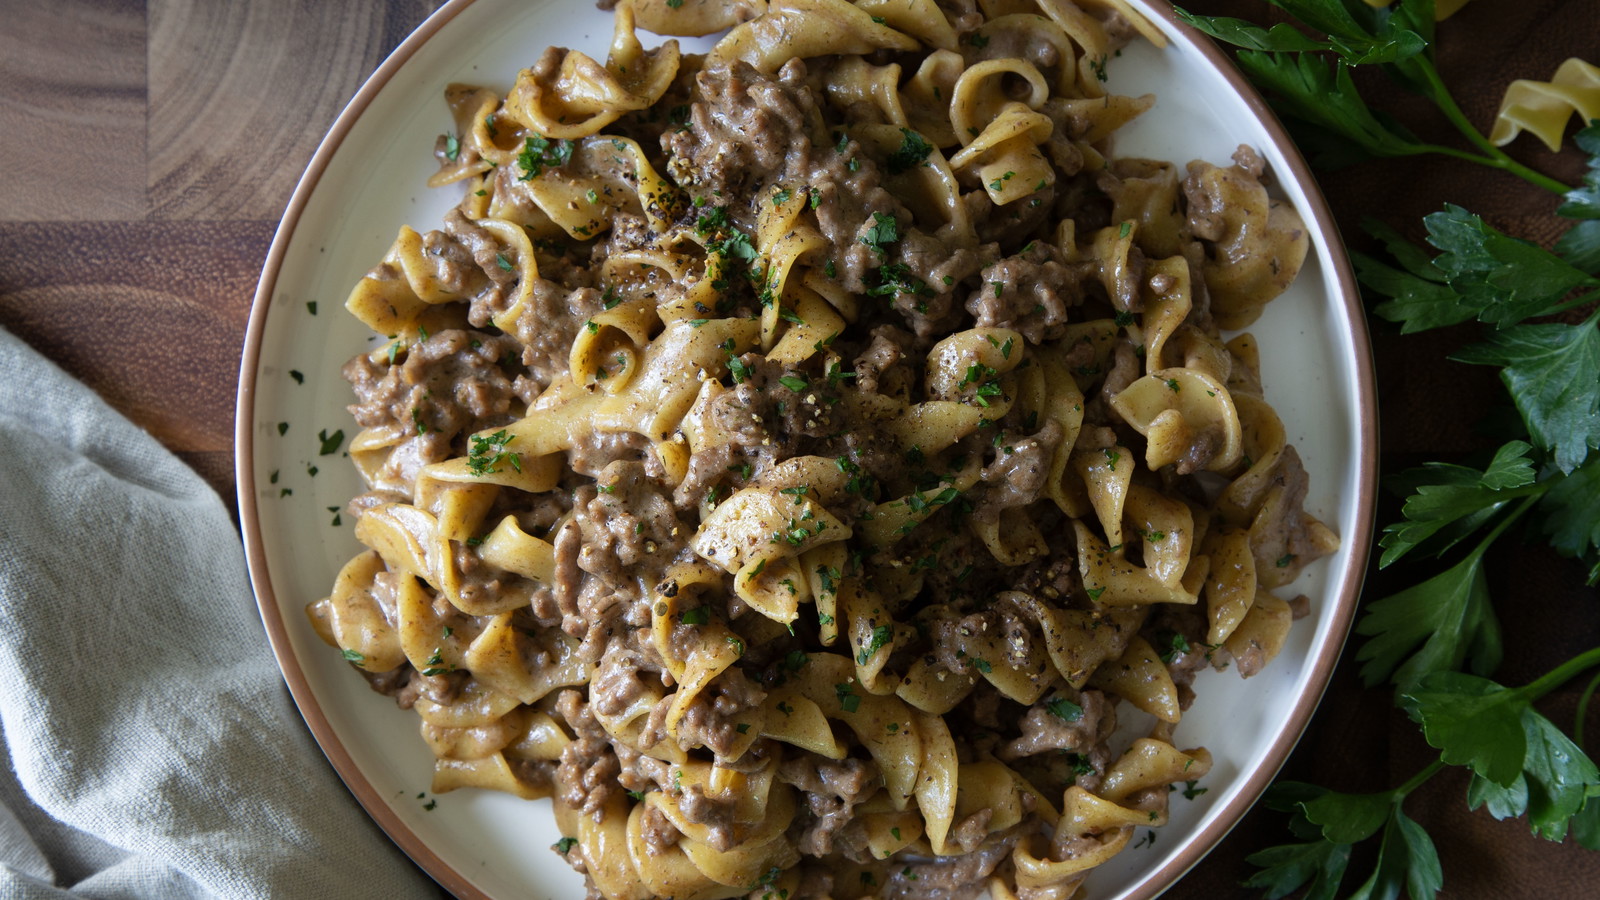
[150, 147]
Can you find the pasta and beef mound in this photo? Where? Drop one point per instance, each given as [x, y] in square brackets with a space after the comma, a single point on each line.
[793, 460]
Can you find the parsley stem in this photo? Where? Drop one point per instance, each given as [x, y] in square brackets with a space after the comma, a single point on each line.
[1582, 715]
[1561, 674]
[1574, 303]
[1500, 527]
[1496, 157]
[1417, 780]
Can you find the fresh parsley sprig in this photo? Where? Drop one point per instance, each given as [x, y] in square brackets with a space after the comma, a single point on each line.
[1438, 642]
[1522, 765]
[1306, 77]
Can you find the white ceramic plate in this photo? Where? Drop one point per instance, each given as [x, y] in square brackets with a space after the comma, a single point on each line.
[368, 178]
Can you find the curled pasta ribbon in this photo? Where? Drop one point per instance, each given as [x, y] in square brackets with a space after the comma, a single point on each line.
[473, 110]
[479, 737]
[578, 97]
[929, 189]
[758, 533]
[783, 241]
[434, 639]
[609, 347]
[1257, 243]
[694, 18]
[605, 176]
[1544, 107]
[854, 80]
[695, 647]
[803, 29]
[622, 862]
[926, 96]
[828, 681]
[357, 616]
[922, 19]
[391, 297]
[1079, 641]
[1111, 580]
[1092, 828]
[1145, 192]
[980, 95]
[1187, 417]
[1166, 309]
[1006, 154]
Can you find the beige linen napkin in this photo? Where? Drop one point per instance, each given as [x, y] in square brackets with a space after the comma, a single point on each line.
[153, 749]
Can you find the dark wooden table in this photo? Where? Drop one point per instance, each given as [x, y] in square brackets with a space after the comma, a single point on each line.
[150, 147]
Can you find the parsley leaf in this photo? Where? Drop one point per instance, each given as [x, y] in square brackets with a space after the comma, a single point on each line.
[1571, 508]
[1432, 627]
[1472, 721]
[1287, 867]
[1584, 202]
[1456, 500]
[1553, 373]
[1496, 731]
[1505, 279]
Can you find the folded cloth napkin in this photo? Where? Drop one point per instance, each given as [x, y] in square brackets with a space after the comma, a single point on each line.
[153, 749]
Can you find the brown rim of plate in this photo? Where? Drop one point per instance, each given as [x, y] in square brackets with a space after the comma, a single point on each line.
[1155, 881]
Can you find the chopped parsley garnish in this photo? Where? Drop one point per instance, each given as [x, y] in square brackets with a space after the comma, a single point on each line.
[881, 635]
[501, 261]
[565, 844]
[1176, 645]
[538, 153]
[330, 442]
[849, 701]
[356, 657]
[452, 147]
[885, 230]
[1081, 765]
[796, 383]
[913, 151]
[487, 453]
[1063, 709]
[829, 576]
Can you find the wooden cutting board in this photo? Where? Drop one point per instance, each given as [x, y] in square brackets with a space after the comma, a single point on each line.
[149, 149]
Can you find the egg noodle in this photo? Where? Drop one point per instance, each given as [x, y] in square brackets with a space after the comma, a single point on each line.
[790, 459]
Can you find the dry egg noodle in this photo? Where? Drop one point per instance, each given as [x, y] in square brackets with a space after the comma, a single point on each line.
[789, 460]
